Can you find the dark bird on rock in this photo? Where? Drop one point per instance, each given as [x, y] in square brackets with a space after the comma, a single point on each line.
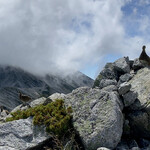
[144, 58]
[24, 98]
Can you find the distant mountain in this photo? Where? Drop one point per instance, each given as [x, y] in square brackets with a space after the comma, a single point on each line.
[13, 80]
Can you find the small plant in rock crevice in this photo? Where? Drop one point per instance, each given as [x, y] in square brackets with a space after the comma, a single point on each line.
[54, 116]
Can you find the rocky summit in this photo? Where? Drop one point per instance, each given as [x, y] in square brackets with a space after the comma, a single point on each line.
[113, 115]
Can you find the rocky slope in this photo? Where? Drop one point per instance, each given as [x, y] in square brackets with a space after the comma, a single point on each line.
[14, 79]
[113, 115]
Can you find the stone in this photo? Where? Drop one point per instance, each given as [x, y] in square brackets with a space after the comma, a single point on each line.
[4, 113]
[131, 63]
[126, 128]
[7, 148]
[132, 144]
[55, 96]
[122, 146]
[108, 72]
[122, 65]
[144, 143]
[97, 117]
[107, 82]
[110, 88]
[124, 78]
[129, 98]
[69, 145]
[137, 64]
[39, 101]
[21, 135]
[139, 122]
[124, 88]
[33, 103]
[136, 105]
[140, 83]
[135, 148]
[103, 148]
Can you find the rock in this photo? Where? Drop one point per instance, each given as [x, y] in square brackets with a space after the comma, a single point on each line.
[69, 145]
[137, 64]
[33, 103]
[107, 82]
[39, 101]
[129, 98]
[55, 96]
[131, 63]
[122, 65]
[7, 148]
[21, 135]
[97, 117]
[4, 113]
[139, 123]
[110, 88]
[124, 78]
[136, 105]
[132, 144]
[103, 148]
[124, 88]
[144, 143]
[140, 83]
[135, 148]
[126, 128]
[108, 72]
[122, 146]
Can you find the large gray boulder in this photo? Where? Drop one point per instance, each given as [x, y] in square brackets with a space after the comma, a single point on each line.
[21, 135]
[107, 82]
[97, 117]
[108, 72]
[124, 88]
[55, 96]
[129, 98]
[139, 118]
[122, 65]
[140, 84]
[124, 78]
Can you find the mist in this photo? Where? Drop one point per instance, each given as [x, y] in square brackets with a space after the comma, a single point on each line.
[47, 36]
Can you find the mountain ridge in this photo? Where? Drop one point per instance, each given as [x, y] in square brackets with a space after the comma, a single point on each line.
[14, 79]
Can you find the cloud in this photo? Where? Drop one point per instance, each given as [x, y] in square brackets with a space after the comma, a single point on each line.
[44, 36]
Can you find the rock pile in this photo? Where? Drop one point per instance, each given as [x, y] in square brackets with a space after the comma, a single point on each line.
[132, 80]
[113, 115]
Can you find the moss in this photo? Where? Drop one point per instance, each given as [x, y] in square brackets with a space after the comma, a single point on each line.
[54, 116]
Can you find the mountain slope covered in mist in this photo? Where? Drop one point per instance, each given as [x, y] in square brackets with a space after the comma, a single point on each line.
[13, 80]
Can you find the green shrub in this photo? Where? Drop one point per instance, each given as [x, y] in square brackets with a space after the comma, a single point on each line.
[54, 116]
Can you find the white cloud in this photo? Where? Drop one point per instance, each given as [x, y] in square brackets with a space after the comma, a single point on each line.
[144, 2]
[41, 36]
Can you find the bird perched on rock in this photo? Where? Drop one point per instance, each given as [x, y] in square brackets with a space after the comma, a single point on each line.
[144, 58]
[24, 98]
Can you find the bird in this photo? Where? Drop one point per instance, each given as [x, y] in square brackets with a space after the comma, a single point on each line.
[24, 98]
[144, 58]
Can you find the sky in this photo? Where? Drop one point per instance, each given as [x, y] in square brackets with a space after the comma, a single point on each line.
[44, 36]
